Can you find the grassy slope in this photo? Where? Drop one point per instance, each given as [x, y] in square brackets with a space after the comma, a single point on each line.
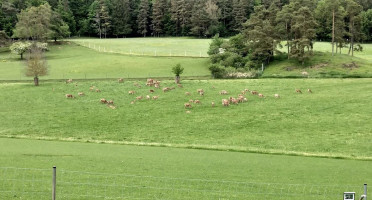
[333, 68]
[73, 61]
[186, 173]
[163, 46]
[333, 121]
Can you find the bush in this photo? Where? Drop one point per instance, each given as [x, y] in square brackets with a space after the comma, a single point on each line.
[217, 71]
[177, 70]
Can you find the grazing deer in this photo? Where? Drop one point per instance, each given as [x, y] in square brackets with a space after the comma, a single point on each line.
[131, 92]
[103, 100]
[276, 96]
[81, 94]
[261, 95]
[69, 96]
[155, 97]
[187, 93]
[309, 90]
[213, 104]
[187, 105]
[120, 80]
[298, 91]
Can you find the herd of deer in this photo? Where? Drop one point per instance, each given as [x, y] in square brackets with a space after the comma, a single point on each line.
[154, 83]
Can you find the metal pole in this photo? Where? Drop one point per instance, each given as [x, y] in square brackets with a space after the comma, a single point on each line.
[54, 183]
[365, 191]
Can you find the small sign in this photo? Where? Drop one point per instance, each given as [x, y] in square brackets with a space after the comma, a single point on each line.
[349, 195]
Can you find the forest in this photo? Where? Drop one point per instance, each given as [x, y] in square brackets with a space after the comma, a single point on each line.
[157, 18]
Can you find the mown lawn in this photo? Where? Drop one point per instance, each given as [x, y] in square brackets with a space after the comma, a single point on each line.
[333, 121]
[106, 171]
[73, 61]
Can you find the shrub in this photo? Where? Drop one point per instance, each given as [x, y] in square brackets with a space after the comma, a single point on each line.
[177, 70]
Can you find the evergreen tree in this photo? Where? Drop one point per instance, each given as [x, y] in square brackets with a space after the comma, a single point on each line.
[303, 30]
[225, 17]
[59, 28]
[143, 17]
[158, 16]
[260, 36]
[353, 10]
[283, 26]
[121, 18]
[239, 15]
[367, 24]
[63, 8]
[199, 19]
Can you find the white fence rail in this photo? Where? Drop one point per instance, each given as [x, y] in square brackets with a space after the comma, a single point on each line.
[28, 183]
[141, 52]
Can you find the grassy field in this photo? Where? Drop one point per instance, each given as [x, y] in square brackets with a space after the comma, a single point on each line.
[333, 121]
[79, 62]
[103, 171]
[150, 46]
[76, 62]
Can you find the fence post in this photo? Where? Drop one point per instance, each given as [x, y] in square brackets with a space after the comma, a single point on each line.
[365, 191]
[54, 183]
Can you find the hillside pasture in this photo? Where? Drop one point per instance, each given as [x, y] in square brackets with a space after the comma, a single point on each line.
[333, 121]
[150, 46]
[73, 61]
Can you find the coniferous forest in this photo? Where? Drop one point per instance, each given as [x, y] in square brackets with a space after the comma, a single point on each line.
[199, 18]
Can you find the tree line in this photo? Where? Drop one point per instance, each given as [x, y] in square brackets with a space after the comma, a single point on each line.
[296, 26]
[200, 18]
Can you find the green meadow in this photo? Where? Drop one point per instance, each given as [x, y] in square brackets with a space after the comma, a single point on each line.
[299, 146]
[333, 121]
[106, 171]
[73, 61]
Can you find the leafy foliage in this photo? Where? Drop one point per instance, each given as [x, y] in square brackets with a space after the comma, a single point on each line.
[177, 69]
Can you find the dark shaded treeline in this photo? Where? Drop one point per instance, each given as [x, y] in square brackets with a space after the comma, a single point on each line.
[131, 18]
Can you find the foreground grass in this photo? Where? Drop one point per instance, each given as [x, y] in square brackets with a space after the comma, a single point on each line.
[76, 62]
[333, 121]
[98, 171]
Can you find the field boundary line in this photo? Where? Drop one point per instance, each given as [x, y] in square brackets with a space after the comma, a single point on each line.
[197, 146]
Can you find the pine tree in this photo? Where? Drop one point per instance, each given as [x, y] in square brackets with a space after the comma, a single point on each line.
[353, 10]
[158, 16]
[143, 17]
[199, 19]
[63, 8]
[121, 18]
[283, 24]
[260, 36]
[303, 30]
[238, 13]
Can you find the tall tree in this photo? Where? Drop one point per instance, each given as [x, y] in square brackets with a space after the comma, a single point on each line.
[199, 19]
[239, 14]
[225, 17]
[159, 16]
[303, 30]
[143, 17]
[63, 8]
[58, 28]
[284, 21]
[260, 35]
[34, 23]
[367, 24]
[121, 18]
[353, 10]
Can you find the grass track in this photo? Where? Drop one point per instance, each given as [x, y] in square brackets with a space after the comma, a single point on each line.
[331, 122]
[95, 171]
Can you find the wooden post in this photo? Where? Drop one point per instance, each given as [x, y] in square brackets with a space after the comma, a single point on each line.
[54, 183]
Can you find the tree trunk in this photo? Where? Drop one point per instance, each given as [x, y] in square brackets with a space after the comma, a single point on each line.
[177, 79]
[333, 32]
[36, 81]
[336, 48]
[286, 27]
[21, 56]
